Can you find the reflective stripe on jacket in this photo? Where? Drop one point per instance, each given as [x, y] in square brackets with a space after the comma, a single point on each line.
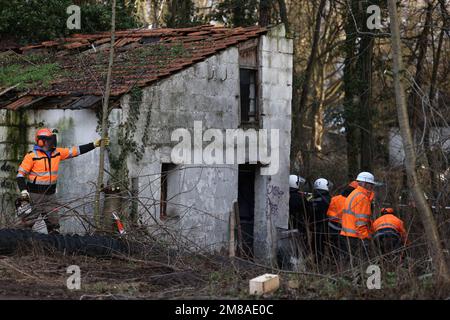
[389, 221]
[356, 216]
[40, 168]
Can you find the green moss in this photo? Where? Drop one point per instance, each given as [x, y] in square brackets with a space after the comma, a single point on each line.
[10, 57]
[159, 53]
[16, 135]
[30, 76]
[17, 144]
[28, 71]
[125, 137]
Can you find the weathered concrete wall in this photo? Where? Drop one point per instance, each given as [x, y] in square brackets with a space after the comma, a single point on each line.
[272, 212]
[200, 196]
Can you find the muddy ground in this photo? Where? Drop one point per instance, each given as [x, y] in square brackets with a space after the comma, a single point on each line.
[44, 276]
[37, 276]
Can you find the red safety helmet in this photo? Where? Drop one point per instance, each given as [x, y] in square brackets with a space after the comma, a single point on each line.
[45, 134]
[387, 211]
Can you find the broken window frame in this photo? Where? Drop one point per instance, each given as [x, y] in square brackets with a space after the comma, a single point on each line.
[248, 61]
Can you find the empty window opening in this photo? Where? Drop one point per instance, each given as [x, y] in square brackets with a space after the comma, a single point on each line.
[248, 95]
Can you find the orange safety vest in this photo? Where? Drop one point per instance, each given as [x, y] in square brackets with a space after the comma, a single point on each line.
[39, 169]
[389, 221]
[336, 207]
[356, 216]
[334, 212]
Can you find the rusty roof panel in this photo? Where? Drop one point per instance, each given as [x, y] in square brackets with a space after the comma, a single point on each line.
[19, 103]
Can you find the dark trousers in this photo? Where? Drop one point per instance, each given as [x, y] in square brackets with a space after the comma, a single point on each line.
[387, 240]
[45, 206]
[334, 242]
[319, 238]
[356, 251]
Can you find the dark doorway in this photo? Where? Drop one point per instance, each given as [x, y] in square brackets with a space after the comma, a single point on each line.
[167, 170]
[246, 202]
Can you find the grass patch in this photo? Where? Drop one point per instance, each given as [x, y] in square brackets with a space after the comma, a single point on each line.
[29, 76]
[28, 71]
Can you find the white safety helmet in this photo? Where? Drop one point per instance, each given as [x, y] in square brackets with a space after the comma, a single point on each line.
[321, 184]
[296, 181]
[366, 177]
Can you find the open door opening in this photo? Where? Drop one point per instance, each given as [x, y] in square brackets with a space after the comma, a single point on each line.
[246, 203]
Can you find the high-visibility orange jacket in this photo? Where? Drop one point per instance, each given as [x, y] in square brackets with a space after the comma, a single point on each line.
[38, 171]
[334, 212]
[337, 203]
[389, 221]
[356, 216]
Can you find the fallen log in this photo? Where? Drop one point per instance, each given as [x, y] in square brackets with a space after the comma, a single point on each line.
[12, 240]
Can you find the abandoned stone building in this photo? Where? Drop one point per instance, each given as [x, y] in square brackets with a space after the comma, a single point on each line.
[163, 80]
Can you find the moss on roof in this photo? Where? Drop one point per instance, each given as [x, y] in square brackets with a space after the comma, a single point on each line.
[28, 72]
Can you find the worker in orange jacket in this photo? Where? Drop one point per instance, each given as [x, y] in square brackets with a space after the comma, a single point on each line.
[38, 173]
[389, 231]
[334, 215]
[357, 215]
[336, 207]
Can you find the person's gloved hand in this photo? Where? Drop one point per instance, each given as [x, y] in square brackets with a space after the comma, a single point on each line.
[24, 195]
[98, 142]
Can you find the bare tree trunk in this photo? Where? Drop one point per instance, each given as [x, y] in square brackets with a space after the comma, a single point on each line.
[432, 164]
[297, 140]
[423, 208]
[445, 16]
[352, 90]
[155, 22]
[365, 108]
[422, 46]
[148, 12]
[265, 7]
[319, 121]
[283, 15]
[318, 111]
[105, 112]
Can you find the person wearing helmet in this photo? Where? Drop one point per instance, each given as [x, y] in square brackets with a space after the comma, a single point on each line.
[334, 215]
[38, 174]
[357, 216]
[295, 182]
[318, 216]
[298, 206]
[389, 231]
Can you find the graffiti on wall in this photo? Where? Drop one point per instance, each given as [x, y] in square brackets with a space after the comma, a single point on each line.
[274, 194]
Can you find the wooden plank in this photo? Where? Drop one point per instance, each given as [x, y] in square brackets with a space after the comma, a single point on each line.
[8, 89]
[19, 103]
[239, 229]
